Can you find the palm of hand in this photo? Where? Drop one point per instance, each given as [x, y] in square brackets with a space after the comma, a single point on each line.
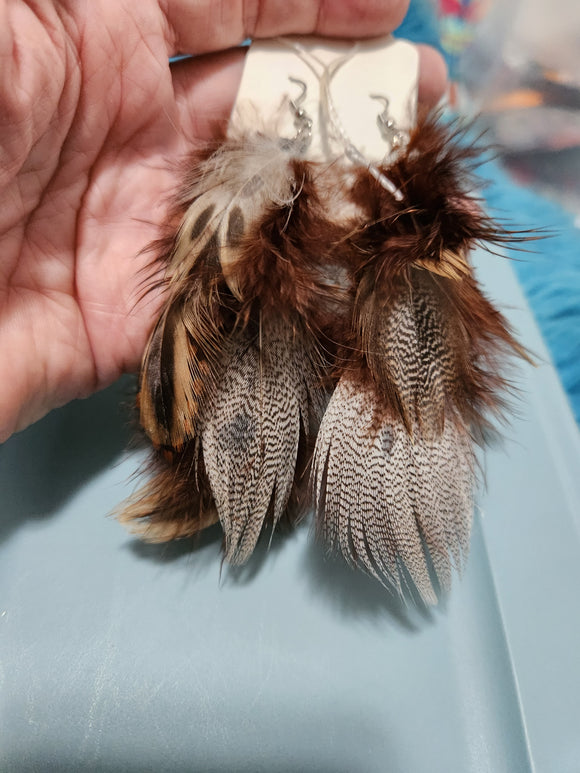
[88, 157]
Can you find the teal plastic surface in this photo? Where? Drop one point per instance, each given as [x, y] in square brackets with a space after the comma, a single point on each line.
[120, 656]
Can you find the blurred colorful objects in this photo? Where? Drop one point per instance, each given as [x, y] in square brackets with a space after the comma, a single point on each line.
[458, 20]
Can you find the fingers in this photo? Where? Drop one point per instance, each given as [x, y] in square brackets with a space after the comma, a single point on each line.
[432, 76]
[214, 25]
[206, 88]
[205, 91]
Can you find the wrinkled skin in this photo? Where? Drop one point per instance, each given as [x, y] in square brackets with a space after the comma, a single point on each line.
[92, 121]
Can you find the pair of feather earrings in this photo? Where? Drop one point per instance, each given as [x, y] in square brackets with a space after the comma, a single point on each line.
[324, 343]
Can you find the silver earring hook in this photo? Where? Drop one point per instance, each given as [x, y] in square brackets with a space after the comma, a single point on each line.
[382, 118]
[389, 130]
[302, 121]
[295, 103]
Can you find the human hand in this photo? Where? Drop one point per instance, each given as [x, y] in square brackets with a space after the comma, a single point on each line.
[91, 114]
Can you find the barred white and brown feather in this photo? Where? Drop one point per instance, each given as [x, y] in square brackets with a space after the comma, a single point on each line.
[254, 426]
[390, 500]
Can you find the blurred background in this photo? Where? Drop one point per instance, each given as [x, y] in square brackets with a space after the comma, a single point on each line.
[518, 64]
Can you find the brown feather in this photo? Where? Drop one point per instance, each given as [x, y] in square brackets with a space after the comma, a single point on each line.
[176, 501]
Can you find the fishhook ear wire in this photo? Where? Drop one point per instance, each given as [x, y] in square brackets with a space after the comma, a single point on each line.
[295, 103]
[302, 121]
[329, 114]
[394, 136]
[383, 119]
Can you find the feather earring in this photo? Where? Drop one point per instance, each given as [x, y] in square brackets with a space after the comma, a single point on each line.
[232, 380]
[324, 336]
[394, 465]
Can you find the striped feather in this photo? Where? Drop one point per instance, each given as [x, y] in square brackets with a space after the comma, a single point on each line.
[253, 429]
[385, 497]
[394, 464]
[230, 381]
